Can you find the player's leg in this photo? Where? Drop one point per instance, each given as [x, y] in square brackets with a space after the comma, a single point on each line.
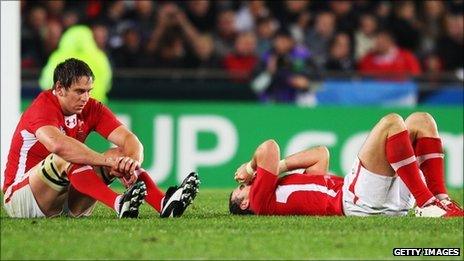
[175, 202]
[428, 147]
[49, 184]
[154, 195]
[429, 152]
[79, 204]
[85, 179]
[388, 150]
[89, 184]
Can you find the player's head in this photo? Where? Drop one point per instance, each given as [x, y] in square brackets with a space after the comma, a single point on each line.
[239, 203]
[72, 83]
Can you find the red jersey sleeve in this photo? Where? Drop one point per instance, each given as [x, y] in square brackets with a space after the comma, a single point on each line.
[262, 191]
[41, 114]
[106, 121]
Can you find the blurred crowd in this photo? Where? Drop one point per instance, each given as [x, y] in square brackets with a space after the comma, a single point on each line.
[247, 38]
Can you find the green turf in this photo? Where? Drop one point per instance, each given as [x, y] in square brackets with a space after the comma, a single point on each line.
[207, 231]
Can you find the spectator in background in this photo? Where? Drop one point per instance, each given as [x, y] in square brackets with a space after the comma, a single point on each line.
[450, 47]
[431, 24]
[243, 60]
[143, 16]
[432, 64]
[300, 26]
[201, 14]
[78, 42]
[319, 36]
[55, 10]
[345, 17]
[70, 18]
[113, 19]
[387, 58]
[284, 71]
[100, 34]
[205, 56]
[33, 53]
[365, 35]
[52, 36]
[340, 58]
[130, 54]
[162, 32]
[288, 12]
[174, 40]
[249, 13]
[225, 33]
[265, 30]
[383, 13]
[405, 25]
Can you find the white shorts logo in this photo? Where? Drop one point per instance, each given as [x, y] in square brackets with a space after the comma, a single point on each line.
[70, 121]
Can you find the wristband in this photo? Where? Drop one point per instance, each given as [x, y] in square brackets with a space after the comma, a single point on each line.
[283, 166]
[249, 169]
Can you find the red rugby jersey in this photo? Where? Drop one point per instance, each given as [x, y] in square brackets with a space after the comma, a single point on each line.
[26, 150]
[296, 194]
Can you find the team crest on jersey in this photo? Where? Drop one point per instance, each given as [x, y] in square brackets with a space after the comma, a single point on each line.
[70, 121]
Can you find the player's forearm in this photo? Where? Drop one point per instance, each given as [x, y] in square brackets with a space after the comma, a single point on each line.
[77, 152]
[133, 148]
[316, 159]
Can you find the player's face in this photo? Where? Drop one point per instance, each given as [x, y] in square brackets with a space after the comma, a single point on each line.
[74, 99]
[241, 192]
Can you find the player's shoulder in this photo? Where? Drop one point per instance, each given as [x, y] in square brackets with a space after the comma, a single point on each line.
[45, 101]
[93, 108]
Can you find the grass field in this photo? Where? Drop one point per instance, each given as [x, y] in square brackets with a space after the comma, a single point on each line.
[207, 231]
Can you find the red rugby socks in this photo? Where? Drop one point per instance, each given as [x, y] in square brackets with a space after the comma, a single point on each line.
[401, 157]
[429, 153]
[154, 194]
[86, 181]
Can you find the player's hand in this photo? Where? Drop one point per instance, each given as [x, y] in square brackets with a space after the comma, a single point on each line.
[128, 181]
[241, 175]
[127, 165]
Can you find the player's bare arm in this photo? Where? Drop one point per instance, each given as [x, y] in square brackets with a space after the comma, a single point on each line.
[312, 160]
[71, 149]
[131, 148]
[266, 156]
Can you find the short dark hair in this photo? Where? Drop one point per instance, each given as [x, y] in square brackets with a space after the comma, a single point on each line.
[69, 71]
[234, 207]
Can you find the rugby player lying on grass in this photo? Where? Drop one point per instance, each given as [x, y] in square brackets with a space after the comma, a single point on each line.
[385, 178]
[50, 171]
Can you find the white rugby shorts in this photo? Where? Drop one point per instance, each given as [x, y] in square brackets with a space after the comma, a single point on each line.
[366, 193]
[19, 202]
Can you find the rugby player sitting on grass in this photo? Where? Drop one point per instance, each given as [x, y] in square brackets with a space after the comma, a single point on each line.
[385, 178]
[50, 171]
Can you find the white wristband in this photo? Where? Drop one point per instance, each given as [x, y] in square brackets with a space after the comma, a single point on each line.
[283, 166]
[249, 169]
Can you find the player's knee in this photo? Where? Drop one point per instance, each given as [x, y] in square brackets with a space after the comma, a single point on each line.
[419, 118]
[323, 151]
[269, 147]
[52, 171]
[392, 119]
[60, 163]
